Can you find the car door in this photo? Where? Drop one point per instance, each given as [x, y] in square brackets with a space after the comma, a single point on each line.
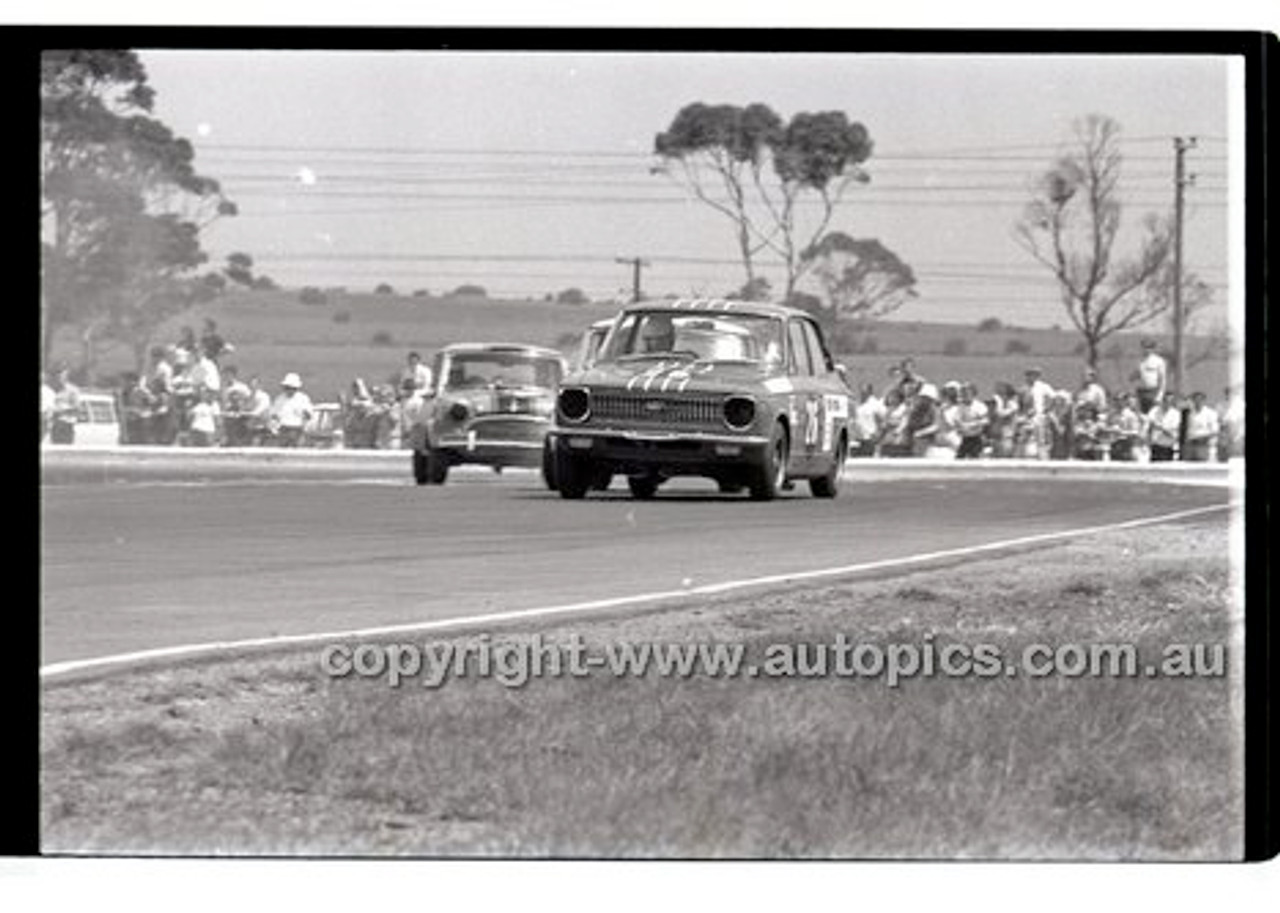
[804, 405]
[832, 393]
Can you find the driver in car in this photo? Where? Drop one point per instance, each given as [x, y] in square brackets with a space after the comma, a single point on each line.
[658, 334]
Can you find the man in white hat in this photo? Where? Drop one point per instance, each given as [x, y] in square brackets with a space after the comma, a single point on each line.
[1152, 377]
[290, 412]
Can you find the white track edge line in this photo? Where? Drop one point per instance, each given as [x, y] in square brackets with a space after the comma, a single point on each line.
[54, 670]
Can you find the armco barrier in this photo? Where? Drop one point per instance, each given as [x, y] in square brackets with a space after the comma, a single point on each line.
[69, 464]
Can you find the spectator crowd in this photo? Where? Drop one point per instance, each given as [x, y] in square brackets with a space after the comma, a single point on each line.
[188, 397]
[1034, 420]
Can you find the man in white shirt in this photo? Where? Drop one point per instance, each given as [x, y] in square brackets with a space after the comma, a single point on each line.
[1153, 374]
[205, 374]
[416, 372]
[1091, 392]
[971, 421]
[1039, 391]
[258, 411]
[868, 421]
[290, 412]
[1164, 424]
[1202, 430]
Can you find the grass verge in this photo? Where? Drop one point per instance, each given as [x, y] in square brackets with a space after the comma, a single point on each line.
[269, 756]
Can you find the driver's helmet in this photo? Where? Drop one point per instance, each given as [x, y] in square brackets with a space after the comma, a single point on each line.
[658, 333]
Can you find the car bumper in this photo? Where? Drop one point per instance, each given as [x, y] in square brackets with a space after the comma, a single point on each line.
[675, 453]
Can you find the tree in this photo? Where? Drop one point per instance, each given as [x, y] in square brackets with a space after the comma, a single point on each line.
[859, 278]
[1071, 226]
[756, 289]
[384, 288]
[748, 165]
[122, 205]
[572, 296]
[989, 324]
[470, 291]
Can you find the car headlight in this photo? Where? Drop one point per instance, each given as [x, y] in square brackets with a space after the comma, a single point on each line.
[458, 412]
[575, 404]
[739, 412]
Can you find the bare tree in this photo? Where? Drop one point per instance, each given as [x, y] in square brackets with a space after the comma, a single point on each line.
[1071, 226]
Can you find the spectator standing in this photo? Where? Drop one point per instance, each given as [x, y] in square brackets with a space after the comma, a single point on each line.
[1087, 438]
[1091, 391]
[1202, 430]
[138, 404]
[204, 420]
[894, 441]
[971, 423]
[290, 412]
[212, 345]
[258, 413]
[184, 390]
[1004, 416]
[47, 399]
[922, 423]
[1127, 430]
[946, 440]
[235, 409]
[1164, 423]
[358, 422]
[1231, 424]
[415, 373]
[868, 422]
[66, 407]
[205, 375]
[1152, 377]
[164, 421]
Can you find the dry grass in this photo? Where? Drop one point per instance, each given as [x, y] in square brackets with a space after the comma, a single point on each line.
[267, 756]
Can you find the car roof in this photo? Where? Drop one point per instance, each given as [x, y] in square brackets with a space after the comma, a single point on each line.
[719, 305]
[509, 348]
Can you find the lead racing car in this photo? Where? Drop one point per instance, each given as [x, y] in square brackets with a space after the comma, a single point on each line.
[490, 404]
[744, 393]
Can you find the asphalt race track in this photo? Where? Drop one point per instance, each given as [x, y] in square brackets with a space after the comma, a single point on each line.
[129, 567]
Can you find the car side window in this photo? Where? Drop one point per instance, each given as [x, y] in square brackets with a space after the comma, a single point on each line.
[798, 359]
[822, 360]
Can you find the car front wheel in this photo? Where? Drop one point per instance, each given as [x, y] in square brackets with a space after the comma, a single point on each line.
[419, 467]
[643, 487]
[573, 475]
[771, 473]
[437, 465]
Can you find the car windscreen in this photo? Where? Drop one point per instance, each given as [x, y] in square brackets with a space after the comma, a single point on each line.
[667, 334]
[476, 370]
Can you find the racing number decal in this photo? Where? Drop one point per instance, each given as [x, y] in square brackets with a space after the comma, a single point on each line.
[834, 408]
[812, 421]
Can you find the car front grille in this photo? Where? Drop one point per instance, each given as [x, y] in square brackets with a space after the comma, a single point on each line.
[665, 410]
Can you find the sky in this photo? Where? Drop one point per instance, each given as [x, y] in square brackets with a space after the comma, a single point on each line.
[530, 173]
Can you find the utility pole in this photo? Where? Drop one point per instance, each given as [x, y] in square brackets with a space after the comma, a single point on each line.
[1180, 181]
[637, 264]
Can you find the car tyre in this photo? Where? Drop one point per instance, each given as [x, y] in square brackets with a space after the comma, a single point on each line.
[771, 473]
[437, 467]
[828, 486]
[573, 475]
[549, 464]
[728, 487]
[420, 467]
[643, 488]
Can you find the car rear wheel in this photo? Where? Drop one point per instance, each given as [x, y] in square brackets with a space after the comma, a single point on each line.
[643, 487]
[573, 475]
[771, 473]
[419, 467]
[828, 486]
[729, 488]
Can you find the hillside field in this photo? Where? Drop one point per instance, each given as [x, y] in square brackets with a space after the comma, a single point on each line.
[368, 335]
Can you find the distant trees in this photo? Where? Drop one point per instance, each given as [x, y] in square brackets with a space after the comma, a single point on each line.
[752, 167]
[384, 288]
[312, 295]
[860, 278]
[470, 291]
[572, 296]
[122, 206]
[1017, 346]
[990, 325]
[1071, 226]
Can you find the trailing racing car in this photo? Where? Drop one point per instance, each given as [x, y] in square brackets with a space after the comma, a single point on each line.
[745, 393]
[490, 404]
